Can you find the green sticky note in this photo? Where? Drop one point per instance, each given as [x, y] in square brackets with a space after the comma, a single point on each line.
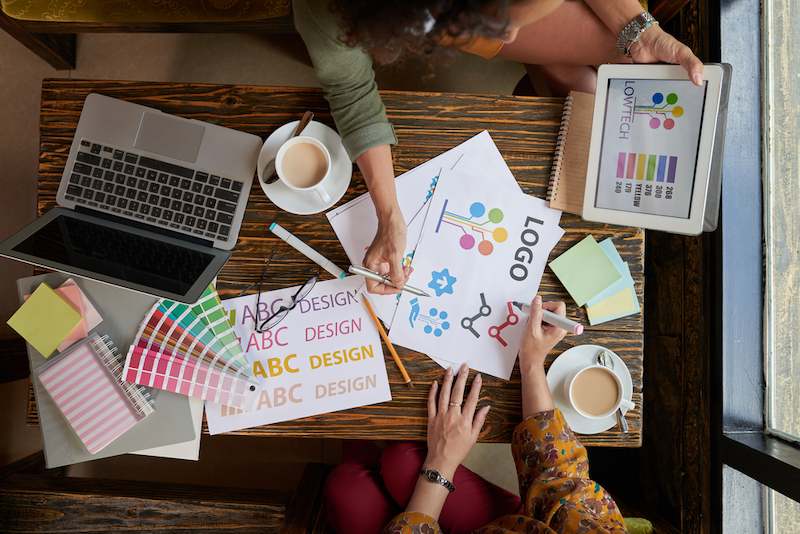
[45, 320]
[585, 270]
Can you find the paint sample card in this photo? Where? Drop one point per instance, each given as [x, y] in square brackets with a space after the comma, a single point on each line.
[650, 146]
[324, 356]
[483, 246]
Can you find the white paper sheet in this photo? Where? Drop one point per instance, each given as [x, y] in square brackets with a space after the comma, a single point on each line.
[325, 356]
[483, 246]
[355, 222]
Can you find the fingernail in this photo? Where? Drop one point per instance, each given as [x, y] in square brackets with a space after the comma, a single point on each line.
[449, 371]
[464, 368]
[477, 378]
[537, 300]
[435, 384]
[698, 79]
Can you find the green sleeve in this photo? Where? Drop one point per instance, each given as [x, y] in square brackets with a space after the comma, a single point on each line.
[347, 79]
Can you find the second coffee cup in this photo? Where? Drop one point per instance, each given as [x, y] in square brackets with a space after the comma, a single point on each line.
[304, 164]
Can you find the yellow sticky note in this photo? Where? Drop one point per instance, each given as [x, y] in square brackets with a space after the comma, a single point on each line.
[45, 320]
[614, 305]
[585, 270]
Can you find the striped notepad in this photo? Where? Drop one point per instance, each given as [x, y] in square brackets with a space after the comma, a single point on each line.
[85, 383]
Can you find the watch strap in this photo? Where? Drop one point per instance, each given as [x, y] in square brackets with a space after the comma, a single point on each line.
[633, 31]
[434, 476]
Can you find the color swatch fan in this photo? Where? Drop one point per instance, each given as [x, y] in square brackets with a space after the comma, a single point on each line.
[192, 350]
[86, 384]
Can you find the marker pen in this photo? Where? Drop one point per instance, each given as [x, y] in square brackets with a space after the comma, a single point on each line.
[554, 319]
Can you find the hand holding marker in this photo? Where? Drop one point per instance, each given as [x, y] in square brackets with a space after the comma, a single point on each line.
[554, 319]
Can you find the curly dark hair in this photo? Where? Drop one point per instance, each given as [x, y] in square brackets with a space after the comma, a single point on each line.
[387, 29]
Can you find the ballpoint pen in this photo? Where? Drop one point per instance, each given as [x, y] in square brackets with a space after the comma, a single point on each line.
[554, 319]
[384, 279]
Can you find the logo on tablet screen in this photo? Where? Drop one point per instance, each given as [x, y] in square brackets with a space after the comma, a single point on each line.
[662, 112]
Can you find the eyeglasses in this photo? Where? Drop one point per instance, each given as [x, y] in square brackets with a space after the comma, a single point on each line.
[283, 311]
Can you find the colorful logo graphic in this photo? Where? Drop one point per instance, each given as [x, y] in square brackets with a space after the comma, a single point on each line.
[476, 211]
[660, 110]
[435, 322]
[442, 282]
[511, 319]
[467, 323]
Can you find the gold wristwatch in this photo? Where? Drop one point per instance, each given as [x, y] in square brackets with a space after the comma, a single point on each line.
[631, 33]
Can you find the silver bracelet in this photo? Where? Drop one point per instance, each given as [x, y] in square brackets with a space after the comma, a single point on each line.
[631, 33]
[434, 476]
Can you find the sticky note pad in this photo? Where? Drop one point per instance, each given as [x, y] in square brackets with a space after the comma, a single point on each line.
[45, 320]
[619, 305]
[585, 270]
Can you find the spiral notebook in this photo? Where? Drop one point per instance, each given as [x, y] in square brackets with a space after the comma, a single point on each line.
[568, 174]
[86, 385]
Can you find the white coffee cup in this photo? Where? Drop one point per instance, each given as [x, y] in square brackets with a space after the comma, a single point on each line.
[595, 392]
[304, 164]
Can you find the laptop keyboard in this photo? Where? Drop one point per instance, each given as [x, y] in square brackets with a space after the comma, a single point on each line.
[141, 187]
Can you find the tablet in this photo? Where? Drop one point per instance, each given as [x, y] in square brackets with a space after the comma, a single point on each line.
[652, 147]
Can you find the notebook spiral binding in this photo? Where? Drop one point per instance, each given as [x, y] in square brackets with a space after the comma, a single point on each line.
[139, 395]
[558, 159]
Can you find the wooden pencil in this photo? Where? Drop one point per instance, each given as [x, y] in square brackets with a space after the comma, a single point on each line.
[388, 343]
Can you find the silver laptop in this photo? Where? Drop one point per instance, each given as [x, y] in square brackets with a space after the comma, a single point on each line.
[151, 202]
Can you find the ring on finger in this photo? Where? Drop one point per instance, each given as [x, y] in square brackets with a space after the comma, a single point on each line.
[455, 404]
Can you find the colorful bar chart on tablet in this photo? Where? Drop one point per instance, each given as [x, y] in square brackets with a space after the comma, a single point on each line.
[650, 167]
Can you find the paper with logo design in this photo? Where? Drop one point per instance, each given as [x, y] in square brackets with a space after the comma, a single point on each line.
[325, 356]
[483, 246]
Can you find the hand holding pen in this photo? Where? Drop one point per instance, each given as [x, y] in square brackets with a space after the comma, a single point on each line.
[384, 279]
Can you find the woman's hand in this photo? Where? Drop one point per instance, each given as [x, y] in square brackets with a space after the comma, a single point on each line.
[385, 255]
[655, 45]
[453, 427]
[540, 337]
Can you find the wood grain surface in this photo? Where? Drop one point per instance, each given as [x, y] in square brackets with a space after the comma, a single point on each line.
[427, 124]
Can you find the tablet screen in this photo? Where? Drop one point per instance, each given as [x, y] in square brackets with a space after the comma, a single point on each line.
[649, 146]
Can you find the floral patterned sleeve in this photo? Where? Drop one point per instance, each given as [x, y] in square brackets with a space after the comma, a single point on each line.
[412, 523]
[553, 472]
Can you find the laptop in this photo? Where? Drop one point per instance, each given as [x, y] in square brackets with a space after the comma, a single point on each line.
[148, 201]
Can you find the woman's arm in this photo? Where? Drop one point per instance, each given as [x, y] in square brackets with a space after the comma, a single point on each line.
[452, 431]
[537, 341]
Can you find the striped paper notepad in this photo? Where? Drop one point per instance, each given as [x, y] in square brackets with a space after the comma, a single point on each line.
[85, 383]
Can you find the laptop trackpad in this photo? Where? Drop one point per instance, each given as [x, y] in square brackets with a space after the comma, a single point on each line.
[169, 136]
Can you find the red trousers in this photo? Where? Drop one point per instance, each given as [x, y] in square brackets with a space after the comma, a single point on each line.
[371, 487]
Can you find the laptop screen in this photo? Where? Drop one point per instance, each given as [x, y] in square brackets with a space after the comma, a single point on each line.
[126, 256]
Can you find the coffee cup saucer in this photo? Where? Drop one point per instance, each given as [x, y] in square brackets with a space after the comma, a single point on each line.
[306, 203]
[584, 356]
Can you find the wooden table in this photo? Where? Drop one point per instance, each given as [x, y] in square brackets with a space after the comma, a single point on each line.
[427, 124]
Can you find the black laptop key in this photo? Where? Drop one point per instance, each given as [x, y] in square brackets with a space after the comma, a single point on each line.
[153, 200]
[186, 184]
[118, 166]
[96, 148]
[237, 185]
[130, 193]
[190, 221]
[202, 224]
[152, 175]
[86, 181]
[224, 194]
[174, 181]
[212, 227]
[108, 187]
[75, 178]
[199, 200]
[108, 149]
[133, 205]
[224, 218]
[97, 172]
[122, 203]
[131, 181]
[88, 194]
[211, 215]
[82, 168]
[106, 163]
[97, 184]
[85, 157]
[226, 183]
[108, 176]
[211, 202]
[140, 172]
[145, 209]
[131, 158]
[120, 179]
[225, 230]
[188, 209]
[74, 190]
[167, 215]
[177, 194]
[214, 180]
[163, 178]
[199, 211]
[129, 169]
[187, 196]
[165, 190]
[153, 187]
[201, 176]
[170, 168]
[197, 187]
[85, 143]
[142, 196]
[226, 206]
[179, 218]
[164, 202]
[119, 154]
[156, 212]
[208, 190]
[100, 197]
[119, 190]
[111, 200]
[142, 185]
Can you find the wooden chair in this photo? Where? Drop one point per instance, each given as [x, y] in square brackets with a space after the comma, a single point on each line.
[33, 498]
